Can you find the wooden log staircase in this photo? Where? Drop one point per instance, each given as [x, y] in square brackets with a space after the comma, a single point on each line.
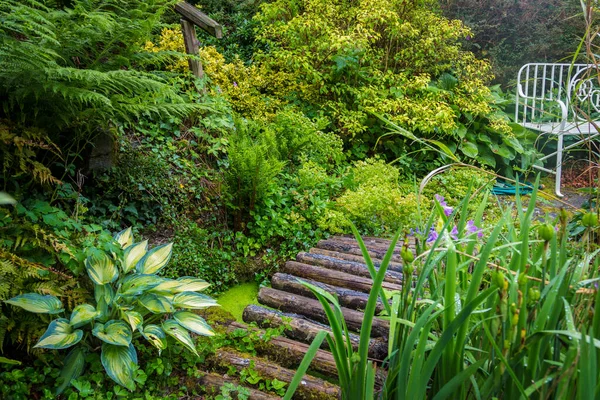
[335, 265]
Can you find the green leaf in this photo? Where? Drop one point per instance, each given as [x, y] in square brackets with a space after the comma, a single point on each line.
[306, 360]
[113, 332]
[9, 361]
[124, 238]
[193, 323]
[156, 336]
[6, 199]
[72, 369]
[469, 149]
[104, 292]
[101, 269]
[59, 335]
[120, 363]
[173, 329]
[137, 284]
[134, 319]
[37, 303]
[133, 254]
[82, 314]
[156, 304]
[155, 259]
[193, 300]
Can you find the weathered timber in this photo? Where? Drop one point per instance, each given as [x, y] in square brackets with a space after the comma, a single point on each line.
[309, 388]
[212, 384]
[191, 47]
[393, 266]
[304, 330]
[347, 297]
[313, 309]
[289, 353]
[335, 278]
[354, 249]
[197, 17]
[349, 267]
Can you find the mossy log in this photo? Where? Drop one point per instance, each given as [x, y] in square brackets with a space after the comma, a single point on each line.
[289, 353]
[349, 267]
[212, 384]
[347, 297]
[304, 330]
[309, 388]
[312, 309]
[335, 278]
[393, 266]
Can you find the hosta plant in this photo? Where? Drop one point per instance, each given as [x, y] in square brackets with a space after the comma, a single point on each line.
[131, 301]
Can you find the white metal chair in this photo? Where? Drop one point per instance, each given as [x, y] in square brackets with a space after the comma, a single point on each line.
[559, 99]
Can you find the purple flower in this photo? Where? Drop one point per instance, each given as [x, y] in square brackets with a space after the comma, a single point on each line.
[447, 210]
[454, 233]
[433, 235]
[235, 84]
[414, 232]
[472, 228]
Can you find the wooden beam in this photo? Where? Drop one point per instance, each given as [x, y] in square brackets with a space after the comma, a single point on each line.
[192, 47]
[200, 19]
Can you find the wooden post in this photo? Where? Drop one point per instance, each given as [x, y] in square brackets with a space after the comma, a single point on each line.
[192, 47]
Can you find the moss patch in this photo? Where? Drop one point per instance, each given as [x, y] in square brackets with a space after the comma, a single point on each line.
[238, 297]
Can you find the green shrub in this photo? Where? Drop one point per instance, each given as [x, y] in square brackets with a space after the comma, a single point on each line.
[129, 297]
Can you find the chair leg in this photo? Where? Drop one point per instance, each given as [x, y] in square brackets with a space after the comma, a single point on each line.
[559, 160]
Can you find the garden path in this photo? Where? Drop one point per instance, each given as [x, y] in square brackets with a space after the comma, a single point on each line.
[335, 265]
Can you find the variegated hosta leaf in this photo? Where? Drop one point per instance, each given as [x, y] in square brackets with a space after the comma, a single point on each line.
[82, 314]
[37, 303]
[193, 323]
[156, 304]
[193, 300]
[120, 363]
[190, 284]
[138, 284]
[184, 284]
[124, 238]
[134, 319]
[156, 336]
[105, 292]
[155, 259]
[101, 269]
[173, 329]
[59, 335]
[113, 332]
[133, 254]
[72, 368]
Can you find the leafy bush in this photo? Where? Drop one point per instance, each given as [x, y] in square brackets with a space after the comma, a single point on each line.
[123, 300]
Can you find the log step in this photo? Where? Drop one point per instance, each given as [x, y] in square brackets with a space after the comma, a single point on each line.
[393, 266]
[335, 278]
[304, 330]
[310, 387]
[289, 353]
[212, 384]
[349, 267]
[347, 297]
[312, 309]
[349, 248]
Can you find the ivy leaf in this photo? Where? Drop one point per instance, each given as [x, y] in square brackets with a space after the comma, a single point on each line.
[59, 335]
[469, 149]
[37, 303]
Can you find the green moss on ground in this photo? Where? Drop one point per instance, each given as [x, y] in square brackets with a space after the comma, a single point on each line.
[238, 297]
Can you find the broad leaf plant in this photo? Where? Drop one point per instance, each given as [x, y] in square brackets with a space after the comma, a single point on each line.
[131, 301]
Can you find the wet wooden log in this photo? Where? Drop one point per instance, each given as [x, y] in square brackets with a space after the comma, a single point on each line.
[393, 266]
[335, 278]
[312, 309]
[349, 267]
[287, 352]
[342, 247]
[304, 330]
[212, 384]
[309, 388]
[347, 297]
